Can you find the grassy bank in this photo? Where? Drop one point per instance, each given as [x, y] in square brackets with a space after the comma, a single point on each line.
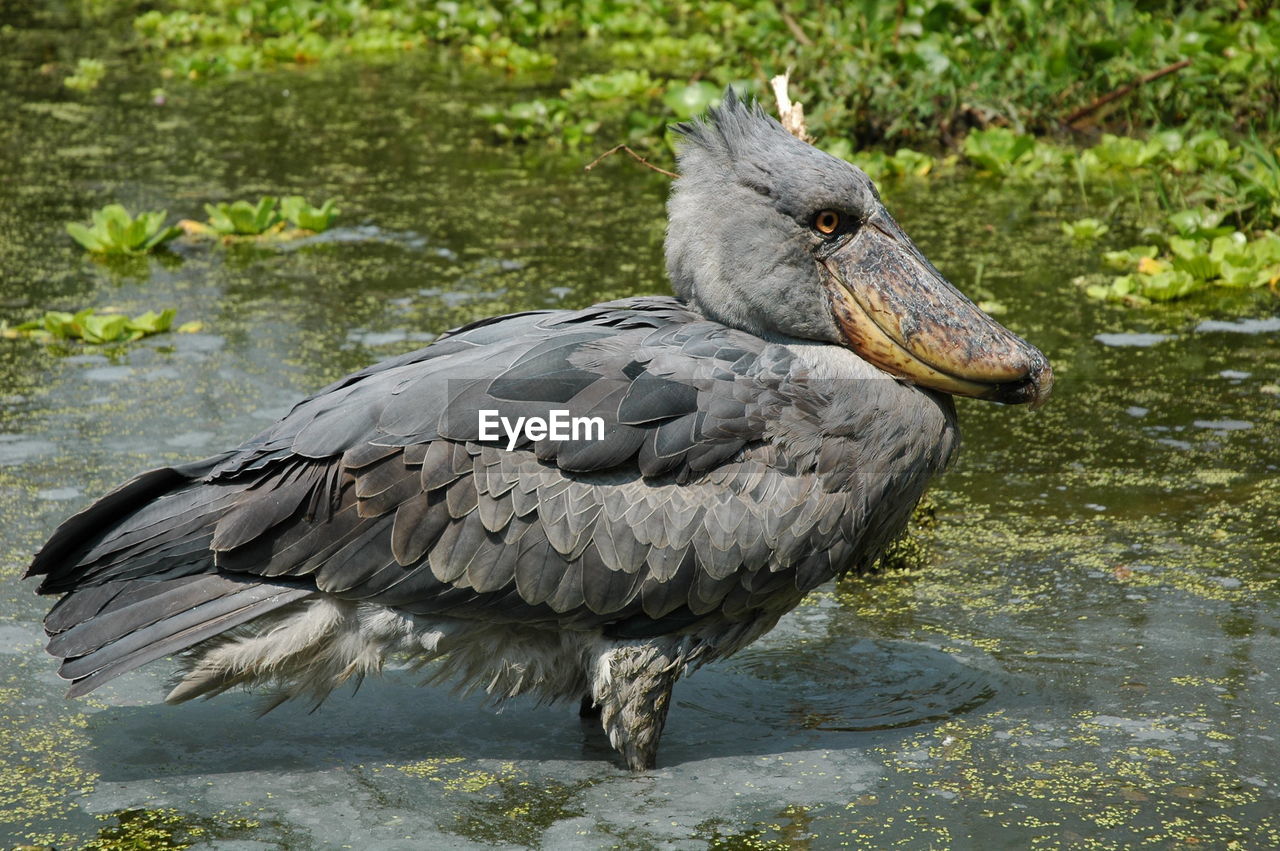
[1164, 114]
[915, 73]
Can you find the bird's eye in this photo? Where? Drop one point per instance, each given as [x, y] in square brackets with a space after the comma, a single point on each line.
[827, 222]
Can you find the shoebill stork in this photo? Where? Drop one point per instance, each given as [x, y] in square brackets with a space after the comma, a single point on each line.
[769, 428]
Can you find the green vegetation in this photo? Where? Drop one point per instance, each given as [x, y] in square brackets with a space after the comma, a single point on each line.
[1199, 255]
[88, 73]
[869, 71]
[94, 328]
[114, 231]
[269, 218]
[1209, 209]
[1085, 230]
[993, 81]
[165, 829]
[302, 215]
[242, 218]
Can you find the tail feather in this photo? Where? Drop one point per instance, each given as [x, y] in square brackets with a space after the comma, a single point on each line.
[175, 558]
[128, 612]
[186, 512]
[78, 533]
[65, 558]
[139, 575]
[213, 604]
[74, 608]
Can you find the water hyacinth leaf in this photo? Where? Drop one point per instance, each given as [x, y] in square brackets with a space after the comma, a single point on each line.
[913, 162]
[114, 231]
[265, 215]
[93, 328]
[84, 236]
[58, 323]
[1265, 250]
[295, 209]
[102, 329]
[997, 149]
[160, 237]
[135, 233]
[152, 322]
[1234, 275]
[1200, 223]
[118, 233]
[1125, 152]
[1233, 244]
[1199, 266]
[693, 99]
[241, 218]
[1183, 247]
[1130, 257]
[1084, 230]
[1167, 286]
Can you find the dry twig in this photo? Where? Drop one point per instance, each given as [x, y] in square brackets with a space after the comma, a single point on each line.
[633, 156]
[793, 25]
[1124, 90]
[790, 114]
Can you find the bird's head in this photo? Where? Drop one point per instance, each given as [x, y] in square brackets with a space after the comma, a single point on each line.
[771, 235]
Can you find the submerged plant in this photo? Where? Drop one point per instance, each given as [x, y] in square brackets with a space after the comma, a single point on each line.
[241, 218]
[298, 212]
[114, 231]
[88, 73]
[96, 328]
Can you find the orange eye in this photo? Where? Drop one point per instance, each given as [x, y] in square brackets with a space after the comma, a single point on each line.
[827, 222]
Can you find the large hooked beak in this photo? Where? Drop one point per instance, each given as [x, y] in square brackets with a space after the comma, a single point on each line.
[898, 312]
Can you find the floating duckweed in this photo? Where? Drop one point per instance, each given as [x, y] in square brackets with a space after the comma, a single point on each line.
[41, 772]
[502, 805]
[1143, 793]
[166, 828]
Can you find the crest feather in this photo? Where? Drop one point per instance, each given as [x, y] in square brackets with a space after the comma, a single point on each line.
[728, 130]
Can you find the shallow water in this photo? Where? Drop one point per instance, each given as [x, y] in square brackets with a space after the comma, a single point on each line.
[1087, 658]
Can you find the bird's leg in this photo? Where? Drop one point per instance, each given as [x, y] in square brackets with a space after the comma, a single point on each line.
[634, 694]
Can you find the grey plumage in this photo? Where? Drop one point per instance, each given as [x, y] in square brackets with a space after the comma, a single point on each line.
[747, 456]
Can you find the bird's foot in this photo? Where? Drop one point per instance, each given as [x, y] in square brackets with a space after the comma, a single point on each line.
[634, 701]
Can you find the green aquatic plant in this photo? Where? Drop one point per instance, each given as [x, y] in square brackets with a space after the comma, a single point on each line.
[1085, 230]
[94, 328]
[998, 150]
[878, 165]
[898, 73]
[296, 210]
[114, 231]
[686, 102]
[619, 94]
[1204, 150]
[1259, 171]
[1200, 253]
[87, 76]
[241, 218]
[1123, 152]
